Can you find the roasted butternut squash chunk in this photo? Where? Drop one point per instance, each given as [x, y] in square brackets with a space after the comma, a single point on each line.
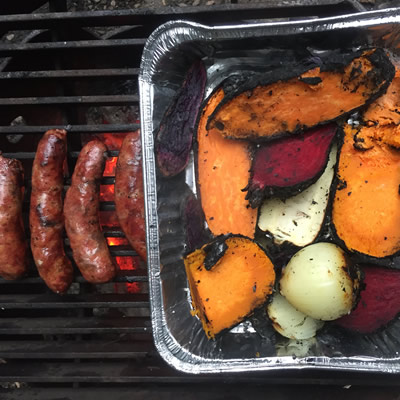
[386, 109]
[228, 279]
[366, 206]
[283, 102]
[223, 171]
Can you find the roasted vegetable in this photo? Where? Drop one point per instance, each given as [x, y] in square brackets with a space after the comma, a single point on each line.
[386, 109]
[223, 171]
[379, 301]
[175, 135]
[286, 166]
[290, 322]
[320, 281]
[286, 101]
[239, 281]
[193, 222]
[298, 219]
[366, 206]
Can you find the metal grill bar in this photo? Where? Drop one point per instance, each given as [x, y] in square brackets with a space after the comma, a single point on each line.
[70, 100]
[72, 349]
[73, 325]
[13, 49]
[134, 300]
[104, 128]
[128, 73]
[217, 13]
[122, 277]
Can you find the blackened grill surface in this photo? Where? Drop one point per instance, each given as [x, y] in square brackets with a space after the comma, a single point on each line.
[97, 340]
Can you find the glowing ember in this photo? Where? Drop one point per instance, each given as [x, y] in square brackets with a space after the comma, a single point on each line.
[126, 263]
[133, 287]
[117, 241]
[111, 164]
[106, 192]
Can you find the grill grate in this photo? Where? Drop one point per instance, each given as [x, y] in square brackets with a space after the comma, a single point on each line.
[98, 334]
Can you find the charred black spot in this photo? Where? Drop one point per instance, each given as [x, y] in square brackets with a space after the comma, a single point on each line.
[311, 80]
[355, 72]
[214, 252]
[219, 125]
[342, 184]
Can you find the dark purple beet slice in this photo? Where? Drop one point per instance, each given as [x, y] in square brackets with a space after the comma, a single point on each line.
[379, 302]
[194, 223]
[283, 167]
[174, 138]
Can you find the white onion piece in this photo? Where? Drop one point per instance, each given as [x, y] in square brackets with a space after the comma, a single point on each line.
[298, 219]
[316, 281]
[290, 322]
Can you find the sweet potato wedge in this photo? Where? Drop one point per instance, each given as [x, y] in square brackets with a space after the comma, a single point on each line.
[223, 168]
[283, 102]
[366, 206]
[228, 279]
[174, 138]
[289, 165]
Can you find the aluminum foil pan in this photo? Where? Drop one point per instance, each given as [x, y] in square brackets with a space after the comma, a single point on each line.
[178, 335]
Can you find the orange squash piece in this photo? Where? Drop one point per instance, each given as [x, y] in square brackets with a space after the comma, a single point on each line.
[386, 109]
[223, 171]
[366, 207]
[239, 281]
[287, 101]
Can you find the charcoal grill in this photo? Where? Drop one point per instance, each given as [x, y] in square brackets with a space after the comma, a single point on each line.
[97, 340]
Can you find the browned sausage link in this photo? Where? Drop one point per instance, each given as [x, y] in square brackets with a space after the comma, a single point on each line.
[46, 216]
[129, 202]
[81, 210]
[13, 244]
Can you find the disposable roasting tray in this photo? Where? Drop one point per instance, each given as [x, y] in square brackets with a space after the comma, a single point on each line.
[178, 335]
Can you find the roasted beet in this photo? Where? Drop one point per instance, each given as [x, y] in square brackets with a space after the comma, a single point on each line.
[174, 138]
[194, 222]
[286, 166]
[379, 302]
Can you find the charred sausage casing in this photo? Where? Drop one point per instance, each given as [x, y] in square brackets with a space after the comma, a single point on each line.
[46, 216]
[81, 210]
[13, 243]
[129, 201]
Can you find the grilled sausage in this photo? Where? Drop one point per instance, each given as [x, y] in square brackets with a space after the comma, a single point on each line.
[13, 244]
[81, 211]
[46, 216]
[129, 202]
